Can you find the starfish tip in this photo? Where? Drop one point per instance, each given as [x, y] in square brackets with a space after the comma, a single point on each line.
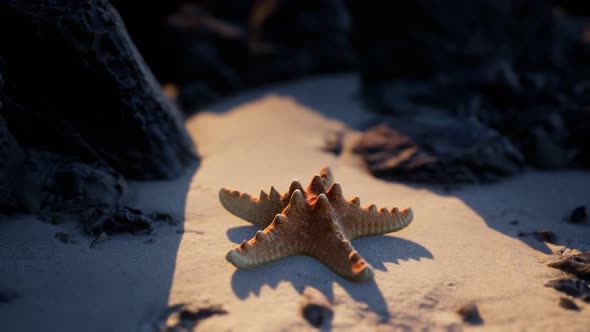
[322, 202]
[297, 197]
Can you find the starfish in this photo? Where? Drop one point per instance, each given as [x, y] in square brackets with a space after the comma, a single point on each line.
[316, 221]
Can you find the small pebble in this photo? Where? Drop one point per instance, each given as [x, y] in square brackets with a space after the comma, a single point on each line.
[316, 308]
[470, 313]
[578, 215]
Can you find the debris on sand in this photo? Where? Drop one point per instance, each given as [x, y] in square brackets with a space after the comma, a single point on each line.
[123, 220]
[470, 313]
[578, 215]
[183, 317]
[542, 235]
[316, 308]
[572, 287]
[578, 265]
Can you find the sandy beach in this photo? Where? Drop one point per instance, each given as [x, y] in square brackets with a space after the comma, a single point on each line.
[461, 247]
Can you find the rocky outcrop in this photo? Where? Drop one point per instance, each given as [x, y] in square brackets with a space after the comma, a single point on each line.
[521, 71]
[75, 84]
[80, 111]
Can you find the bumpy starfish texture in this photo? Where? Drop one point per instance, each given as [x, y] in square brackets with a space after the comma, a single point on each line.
[316, 221]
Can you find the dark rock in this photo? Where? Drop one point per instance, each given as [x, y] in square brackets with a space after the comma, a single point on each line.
[578, 265]
[566, 303]
[470, 314]
[316, 308]
[438, 148]
[94, 96]
[183, 317]
[70, 184]
[521, 72]
[111, 221]
[578, 215]
[571, 287]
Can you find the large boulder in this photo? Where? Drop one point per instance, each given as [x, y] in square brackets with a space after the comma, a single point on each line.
[76, 85]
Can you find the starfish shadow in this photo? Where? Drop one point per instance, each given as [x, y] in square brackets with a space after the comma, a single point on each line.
[302, 271]
[379, 249]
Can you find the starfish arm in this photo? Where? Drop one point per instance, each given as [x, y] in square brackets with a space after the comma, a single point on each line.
[329, 245]
[273, 243]
[338, 254]
[361, 222]
[259, 211]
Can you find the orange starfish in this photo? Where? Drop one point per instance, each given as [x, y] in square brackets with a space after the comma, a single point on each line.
[317, 222]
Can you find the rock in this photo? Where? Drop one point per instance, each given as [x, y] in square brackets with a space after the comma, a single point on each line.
[316, 308]
[578, 265]
[416, 59]
[72, 184]
[111, 221]
[571, 287]
[470, 314]
[566, 303]
[183, 317]
[434, 147]
[84, 46]
[578, 215]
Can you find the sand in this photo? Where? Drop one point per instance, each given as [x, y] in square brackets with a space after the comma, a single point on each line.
[461, 246]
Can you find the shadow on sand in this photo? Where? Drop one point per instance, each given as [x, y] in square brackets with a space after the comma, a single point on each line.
[296, 270]
[531, 202]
